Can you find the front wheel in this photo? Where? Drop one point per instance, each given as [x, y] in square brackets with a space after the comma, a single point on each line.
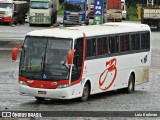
[40, 99]
[86, 93]
[131, 85]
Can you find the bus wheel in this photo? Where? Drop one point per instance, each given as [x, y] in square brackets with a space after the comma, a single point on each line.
[131, 85]
[86, 93]
[39, 98]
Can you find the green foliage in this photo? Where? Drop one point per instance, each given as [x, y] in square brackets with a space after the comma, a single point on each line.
[60, 10]
[131, 13]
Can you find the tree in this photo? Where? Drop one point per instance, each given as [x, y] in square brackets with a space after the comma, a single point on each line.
[61, 1]
[128, 3]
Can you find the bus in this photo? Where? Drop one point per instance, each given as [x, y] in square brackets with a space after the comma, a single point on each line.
[76, 62]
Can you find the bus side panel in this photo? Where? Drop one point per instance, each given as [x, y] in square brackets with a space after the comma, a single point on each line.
[113, 72]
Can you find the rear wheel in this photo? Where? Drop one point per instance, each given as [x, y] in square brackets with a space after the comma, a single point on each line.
[131, 85]
[86, 93]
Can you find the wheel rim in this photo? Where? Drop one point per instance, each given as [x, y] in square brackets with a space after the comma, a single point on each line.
[85, 91]
[131, 86]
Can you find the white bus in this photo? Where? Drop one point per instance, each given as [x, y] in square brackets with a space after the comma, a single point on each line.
[124, 12]
[66, 63]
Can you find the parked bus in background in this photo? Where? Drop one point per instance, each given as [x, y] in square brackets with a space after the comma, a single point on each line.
[80, 61]
[124, 12]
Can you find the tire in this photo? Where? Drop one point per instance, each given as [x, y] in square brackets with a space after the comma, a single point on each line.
[131, 85]
[40, 98]
[86, 93]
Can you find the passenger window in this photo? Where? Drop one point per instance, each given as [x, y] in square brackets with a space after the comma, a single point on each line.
[102, 46]
[114, 44]
[124, 43]
[105, 46]
[145, 41]
[91, 47]
[135, 42]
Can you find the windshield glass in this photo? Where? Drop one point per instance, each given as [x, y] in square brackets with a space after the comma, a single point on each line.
[39, 5]
[6, 5]
[45, 58]
[74, 7]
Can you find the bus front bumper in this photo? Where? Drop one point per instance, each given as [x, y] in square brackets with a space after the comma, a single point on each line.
[61, 93]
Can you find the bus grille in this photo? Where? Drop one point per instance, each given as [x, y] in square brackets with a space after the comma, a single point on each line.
[39, 17]
[74, 18]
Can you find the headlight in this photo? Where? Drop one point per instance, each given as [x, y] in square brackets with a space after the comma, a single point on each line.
[23, 83]
[63, 86]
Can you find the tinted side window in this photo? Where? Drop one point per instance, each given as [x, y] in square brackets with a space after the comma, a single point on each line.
[102, 46]
[113, 44]
[105, 46]
[124, 43]
[145, 40]
[135, 42]
[91, 47]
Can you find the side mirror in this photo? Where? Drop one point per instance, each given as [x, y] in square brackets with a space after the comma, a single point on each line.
[70, 56]
[15, 52]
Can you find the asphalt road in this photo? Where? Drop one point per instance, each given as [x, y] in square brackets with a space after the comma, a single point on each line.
[145, 98]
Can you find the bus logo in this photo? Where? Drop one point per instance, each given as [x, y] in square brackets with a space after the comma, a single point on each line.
[108, 75]
[144, 60]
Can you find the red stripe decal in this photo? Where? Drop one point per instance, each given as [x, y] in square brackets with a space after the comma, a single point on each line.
[111, 67]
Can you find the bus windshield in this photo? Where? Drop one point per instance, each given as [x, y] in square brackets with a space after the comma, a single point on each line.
[45, 58]
[6, 5]
[74, 7]
[39, 5]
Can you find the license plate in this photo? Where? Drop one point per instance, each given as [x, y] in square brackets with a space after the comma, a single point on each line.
[42, 92]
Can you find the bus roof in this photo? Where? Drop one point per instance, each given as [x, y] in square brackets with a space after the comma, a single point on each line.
[91, 30]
